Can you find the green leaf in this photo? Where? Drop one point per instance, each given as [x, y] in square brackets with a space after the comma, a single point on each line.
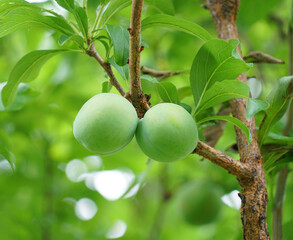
[7, 155]
[113, 7]
[149, 78]
[177, 24]
[75, 38]
[278, 139]
[120, 40]
[27, 69]
[66, 4]
[106, 87]
[271, 158]
[279, 100]
[122, 70]
[254, 106]
[232, 120]
[221, 92]
[187, 107]
[216, 60]
[165, 6]
[24, 95]
[184, 92]
[168, 92]
[22, 18]
[82, 20]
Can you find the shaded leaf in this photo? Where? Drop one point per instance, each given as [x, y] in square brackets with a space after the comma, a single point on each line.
[216, 60]
[278, 139]
[27, 69]
[120, 40]
[232, 120]
[279, 100]
[168, 92]
[106, 87]
[175, 23]
[254, 106]
[123, 70]
[187, 107]
[184, 92]
[221, 92]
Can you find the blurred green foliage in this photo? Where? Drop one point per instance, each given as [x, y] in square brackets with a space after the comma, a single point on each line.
[38, 200]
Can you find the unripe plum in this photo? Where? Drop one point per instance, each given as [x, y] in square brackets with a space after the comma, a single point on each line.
[200, 203]
[167, 133]
[105, 124]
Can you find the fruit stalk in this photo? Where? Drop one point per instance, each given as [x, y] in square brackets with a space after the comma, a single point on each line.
[254, 194]
[107, 67]
[135, 95]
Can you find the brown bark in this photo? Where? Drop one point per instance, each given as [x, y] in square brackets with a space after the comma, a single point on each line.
[254, 193]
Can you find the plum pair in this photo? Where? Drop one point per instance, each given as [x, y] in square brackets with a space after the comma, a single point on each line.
[107, 123]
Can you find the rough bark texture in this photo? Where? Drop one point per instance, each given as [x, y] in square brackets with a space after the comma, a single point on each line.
[135, 95]
[254, 193]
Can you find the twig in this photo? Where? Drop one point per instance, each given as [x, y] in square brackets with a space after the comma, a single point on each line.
[233, 166]
[136, 95]
[160, 75]
[107, 67]
[260, 57]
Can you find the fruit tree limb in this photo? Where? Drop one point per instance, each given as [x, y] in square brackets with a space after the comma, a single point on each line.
[260, 57]
[160, 75]
[233, 166]
[107, 67]
[135, 95]
[254, 196]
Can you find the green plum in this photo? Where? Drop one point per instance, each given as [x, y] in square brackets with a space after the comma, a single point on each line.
[167, 133]
[200, 203]
[105, 124]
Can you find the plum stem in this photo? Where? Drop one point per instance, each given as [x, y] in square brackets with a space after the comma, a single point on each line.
[107, 67]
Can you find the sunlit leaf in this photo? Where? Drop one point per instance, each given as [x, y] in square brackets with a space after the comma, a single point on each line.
[66, 4]
[27, 69]
[221, 92]
[82, 20]
[175, 23]
[113, 7]
[216, 60]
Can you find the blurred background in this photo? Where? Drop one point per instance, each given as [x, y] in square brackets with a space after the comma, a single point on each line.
[59, 190]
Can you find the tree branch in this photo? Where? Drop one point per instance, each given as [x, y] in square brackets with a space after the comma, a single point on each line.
[135, 94]
[107, 67]
[254, 194]
[233, 166]
[260, 57]
[160, 75]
